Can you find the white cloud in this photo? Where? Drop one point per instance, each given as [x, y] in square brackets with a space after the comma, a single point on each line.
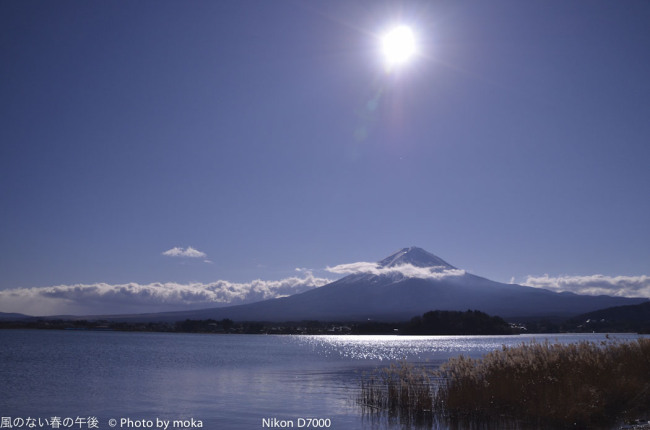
[102, 298]
[188, 252]
[407, 270]
[621, 286]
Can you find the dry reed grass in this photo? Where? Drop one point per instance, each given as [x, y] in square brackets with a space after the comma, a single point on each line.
[578, 385]
[403, 390]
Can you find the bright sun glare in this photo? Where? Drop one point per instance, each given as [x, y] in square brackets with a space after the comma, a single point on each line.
[398, 45]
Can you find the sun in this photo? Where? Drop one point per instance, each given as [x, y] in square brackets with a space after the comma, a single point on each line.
[398, 46]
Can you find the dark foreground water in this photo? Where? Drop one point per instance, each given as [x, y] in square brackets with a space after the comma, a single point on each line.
[232, 382]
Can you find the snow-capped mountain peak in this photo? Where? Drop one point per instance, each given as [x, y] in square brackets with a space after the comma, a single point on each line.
[414, 256]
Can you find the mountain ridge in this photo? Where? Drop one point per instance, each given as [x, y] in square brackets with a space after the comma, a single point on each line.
[409, 282]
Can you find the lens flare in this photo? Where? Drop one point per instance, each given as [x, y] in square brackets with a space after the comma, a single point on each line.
[398, 45]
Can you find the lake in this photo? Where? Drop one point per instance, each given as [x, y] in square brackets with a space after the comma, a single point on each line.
[233, 382]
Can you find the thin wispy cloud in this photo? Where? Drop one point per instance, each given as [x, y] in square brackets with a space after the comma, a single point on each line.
[621, 286]
[406, 270]
[188, 252]
[103, 298]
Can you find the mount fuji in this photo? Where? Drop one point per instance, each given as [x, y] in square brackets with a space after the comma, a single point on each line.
[407, 283]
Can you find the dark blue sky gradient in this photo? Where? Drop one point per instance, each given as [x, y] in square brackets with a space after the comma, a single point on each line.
[517, 143]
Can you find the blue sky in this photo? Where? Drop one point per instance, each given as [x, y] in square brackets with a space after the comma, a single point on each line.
[515, 144]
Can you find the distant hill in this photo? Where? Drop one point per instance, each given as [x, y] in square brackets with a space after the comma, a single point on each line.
[13, 316]
[409, 282]
[635, 318]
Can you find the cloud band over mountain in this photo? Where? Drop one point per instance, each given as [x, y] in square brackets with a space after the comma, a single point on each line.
[407, 270]
[103, 298]
[621, 286]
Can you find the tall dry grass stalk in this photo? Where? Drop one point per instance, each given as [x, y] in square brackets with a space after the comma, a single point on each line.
[579, 385]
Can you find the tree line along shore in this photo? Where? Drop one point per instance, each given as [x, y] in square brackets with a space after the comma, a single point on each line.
[470, 322]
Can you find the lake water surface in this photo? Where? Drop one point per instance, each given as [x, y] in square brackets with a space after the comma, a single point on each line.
[231, 382]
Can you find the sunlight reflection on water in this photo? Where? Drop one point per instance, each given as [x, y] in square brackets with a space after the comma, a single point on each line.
[427, 348]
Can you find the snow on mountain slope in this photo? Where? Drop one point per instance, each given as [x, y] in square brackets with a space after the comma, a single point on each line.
[414, 256]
